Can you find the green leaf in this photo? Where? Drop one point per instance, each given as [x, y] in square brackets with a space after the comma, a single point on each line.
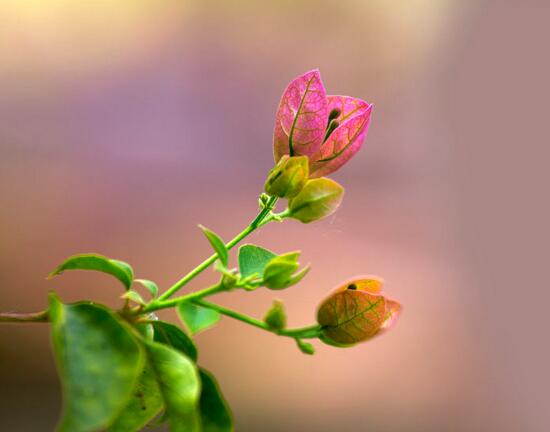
[99, 361]
[217, 244]
[145, 404]
[171, 335]
[253, 259]
[305, 347]
[150, 286]
[134, 296]
[119, 269]
[275, 317]
[197, 318]
[215, 412]
[179, 385]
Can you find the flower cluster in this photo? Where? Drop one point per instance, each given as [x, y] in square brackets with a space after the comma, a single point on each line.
[314, 135]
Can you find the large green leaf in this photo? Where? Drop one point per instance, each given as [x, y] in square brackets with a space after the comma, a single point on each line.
[119, 269]
[145, 404]
[99, 361]
[217, 244]
[215, 412]
[179, 385]
[253, 259]
[171, 335]
[197, 318]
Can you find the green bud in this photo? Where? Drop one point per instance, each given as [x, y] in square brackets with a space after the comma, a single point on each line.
[319, 198]
[275, 317]
[279, 272]
[229, 280]
[288, 177]
[305, 347]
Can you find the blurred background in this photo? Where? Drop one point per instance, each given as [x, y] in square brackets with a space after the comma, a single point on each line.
[124, 124]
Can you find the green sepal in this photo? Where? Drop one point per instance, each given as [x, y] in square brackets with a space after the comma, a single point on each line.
[323, 338]
[119, 269]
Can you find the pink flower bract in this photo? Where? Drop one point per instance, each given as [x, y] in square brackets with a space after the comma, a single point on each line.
[327, 129]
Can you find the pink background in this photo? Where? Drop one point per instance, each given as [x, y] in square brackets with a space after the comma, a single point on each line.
[125, 124]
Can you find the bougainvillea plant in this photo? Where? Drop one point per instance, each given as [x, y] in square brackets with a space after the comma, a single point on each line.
[124, 369]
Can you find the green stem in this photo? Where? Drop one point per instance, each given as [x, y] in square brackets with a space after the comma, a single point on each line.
[256, 223]
[157, 305]
[24, 317]
[308, 332]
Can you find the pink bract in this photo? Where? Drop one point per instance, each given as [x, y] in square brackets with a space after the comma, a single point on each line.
[301, 119]
[302, 125]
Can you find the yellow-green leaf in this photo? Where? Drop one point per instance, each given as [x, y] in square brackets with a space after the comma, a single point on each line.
[119, 269]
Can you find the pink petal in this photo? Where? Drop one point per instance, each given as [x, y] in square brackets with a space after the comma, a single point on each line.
[346, 139]
[301, 118]
[393, 309]
[347, 106]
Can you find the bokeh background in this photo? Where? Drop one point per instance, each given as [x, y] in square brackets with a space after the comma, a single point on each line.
[124, 124]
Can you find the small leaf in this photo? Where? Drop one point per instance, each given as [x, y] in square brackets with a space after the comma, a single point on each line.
[145, 404]
[197, 318]
[150, 286]
[133, 296]
[275, 317]
[215, 412]
[305, 347]
[119, 269]
[179, 385]
[253, 259]
[99, 362]
[217, 244]
[171, 335]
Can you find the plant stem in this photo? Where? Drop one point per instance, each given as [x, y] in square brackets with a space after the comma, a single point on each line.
[157, 305]
[24, 317]
[308, 332]
[256, 223]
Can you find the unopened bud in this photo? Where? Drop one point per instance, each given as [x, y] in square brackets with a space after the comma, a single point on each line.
[279, 272]
[318, 199]
[369, 313]
[275, 317]
[288, 177]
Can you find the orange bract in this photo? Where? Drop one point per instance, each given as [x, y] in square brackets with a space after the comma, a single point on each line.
[356, 311]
